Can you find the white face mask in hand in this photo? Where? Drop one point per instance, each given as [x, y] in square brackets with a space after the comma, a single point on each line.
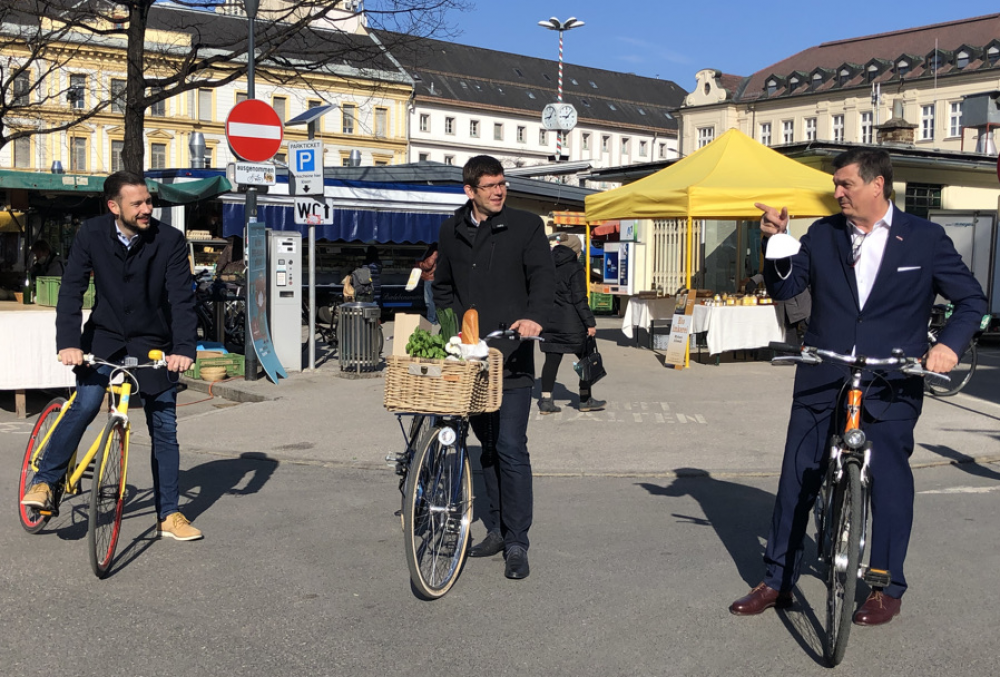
[782, 246]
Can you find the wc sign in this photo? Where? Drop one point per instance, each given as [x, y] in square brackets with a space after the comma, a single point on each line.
[306, 166]
[313, 212]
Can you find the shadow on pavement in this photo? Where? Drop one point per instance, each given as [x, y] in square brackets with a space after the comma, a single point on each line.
[963, 462]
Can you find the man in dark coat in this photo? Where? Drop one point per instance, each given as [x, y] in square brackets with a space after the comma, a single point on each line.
[571, 326]
[496, 260]
[144, 301]
[874, 272]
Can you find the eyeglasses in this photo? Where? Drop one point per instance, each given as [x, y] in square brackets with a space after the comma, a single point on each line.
[490, 187]
[856, 241]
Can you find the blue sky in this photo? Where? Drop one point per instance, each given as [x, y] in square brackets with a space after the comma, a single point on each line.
[673, 40]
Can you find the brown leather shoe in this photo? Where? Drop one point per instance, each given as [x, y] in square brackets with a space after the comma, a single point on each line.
[878, 609]
[759, 600]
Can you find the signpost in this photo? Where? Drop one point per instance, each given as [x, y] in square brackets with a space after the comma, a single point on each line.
[254, 131]
[254, 174]
[306, 164]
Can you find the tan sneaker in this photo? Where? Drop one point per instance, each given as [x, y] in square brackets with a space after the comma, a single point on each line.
[38, 496]
[178, 527]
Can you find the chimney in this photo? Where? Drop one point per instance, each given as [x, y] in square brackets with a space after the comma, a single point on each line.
[896, 131]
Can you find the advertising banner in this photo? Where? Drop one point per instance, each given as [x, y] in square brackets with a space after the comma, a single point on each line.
[257, 302]
[680, 330]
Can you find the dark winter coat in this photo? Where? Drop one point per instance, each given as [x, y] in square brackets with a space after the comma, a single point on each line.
[506, 275]
[566, 330]
[144, 300]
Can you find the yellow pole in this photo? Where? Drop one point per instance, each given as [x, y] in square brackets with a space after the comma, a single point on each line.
[586, 255]
[687, 283]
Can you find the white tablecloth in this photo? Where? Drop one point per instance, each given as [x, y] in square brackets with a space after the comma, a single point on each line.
[737, 327]
[28, 349]
[640, 312]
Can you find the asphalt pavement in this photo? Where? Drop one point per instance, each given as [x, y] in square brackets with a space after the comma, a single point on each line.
[650, 519]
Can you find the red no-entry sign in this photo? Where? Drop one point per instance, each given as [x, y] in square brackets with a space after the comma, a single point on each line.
[254, 131]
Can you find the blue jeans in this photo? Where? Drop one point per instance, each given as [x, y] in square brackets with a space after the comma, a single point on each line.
[429, 301]
[161, 420]
[507, 467]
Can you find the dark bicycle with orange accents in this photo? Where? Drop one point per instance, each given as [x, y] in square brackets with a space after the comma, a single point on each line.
[842, 505]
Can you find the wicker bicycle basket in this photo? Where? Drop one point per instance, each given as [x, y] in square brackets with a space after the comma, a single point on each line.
[444, 387]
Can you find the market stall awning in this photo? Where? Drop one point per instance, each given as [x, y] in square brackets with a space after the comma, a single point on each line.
[77, 183]
[11, 221]
[606, 228]
[189, 191]
[569, 218]
[723, 180]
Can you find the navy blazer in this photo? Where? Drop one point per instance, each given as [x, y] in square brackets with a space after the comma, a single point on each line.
[144, 300]
[919, 263]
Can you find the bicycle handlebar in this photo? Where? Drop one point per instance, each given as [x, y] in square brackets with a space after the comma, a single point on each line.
[510, 334]
[911, 366]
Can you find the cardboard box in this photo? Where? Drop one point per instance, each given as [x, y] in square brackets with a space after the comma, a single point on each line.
[405, 324]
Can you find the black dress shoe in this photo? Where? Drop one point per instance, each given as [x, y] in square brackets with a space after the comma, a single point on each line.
[517, 563]
[489, 546]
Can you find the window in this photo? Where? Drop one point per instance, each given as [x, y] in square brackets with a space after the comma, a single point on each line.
[425, 122]
[772, 87]
[843, 77]
[866, 127]
[204, 104]
[765, 133]
[116, 155]
[449, 125]
[927, 123]
[706, 135]
[625, 146]
[423, 157]
[955, 119]
[498, 131]
[993, 55]
[522, 132]
[921, 198]
[902, 67]
[349, 112]
[449, 159]
[663, 151]
[788, 131]
[22, 89]
[962, 59]
[474, 129]
[817, 80]
[22, 152]
[117, 95]
[241, 97]
[935, 62]
[871, 73]
[280, 105]
[158, 109]
[605, 144]
[837, 127]
[543, 137]
[280, 159]
[157, 156]
[77, 94]
[793, 83]
[78, 154]
[382, 122]
[316, 125]
[810, 129]
[585, 141]
[642, 149]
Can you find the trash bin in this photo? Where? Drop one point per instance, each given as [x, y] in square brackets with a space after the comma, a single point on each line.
[359, 336]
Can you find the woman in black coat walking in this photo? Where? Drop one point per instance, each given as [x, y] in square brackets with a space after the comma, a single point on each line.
[571, 324]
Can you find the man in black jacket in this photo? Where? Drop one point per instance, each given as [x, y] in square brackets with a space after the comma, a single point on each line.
[496, 260]
[144, 301]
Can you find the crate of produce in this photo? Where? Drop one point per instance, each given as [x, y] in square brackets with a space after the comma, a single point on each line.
[47, 291]
[443, 387]
[602, 303]
[233, 363]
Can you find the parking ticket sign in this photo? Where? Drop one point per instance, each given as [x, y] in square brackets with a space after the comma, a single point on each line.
[306, 165]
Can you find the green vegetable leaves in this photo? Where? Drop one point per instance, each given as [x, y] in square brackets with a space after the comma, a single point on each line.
[448, 321]
[423, 344]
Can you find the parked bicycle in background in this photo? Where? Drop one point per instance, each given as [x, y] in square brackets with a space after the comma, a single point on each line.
[967, 361]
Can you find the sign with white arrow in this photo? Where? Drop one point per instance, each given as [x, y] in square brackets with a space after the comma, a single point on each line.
[306, 165]
[312, 212]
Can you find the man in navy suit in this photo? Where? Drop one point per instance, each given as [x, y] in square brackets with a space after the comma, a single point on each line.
[874, 272]
[144, 302]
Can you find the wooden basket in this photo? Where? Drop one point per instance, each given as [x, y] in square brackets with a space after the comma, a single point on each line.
[443, 387]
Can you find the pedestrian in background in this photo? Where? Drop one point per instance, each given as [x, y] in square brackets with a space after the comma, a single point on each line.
[427, 265]
[47, 262]
[571, 325]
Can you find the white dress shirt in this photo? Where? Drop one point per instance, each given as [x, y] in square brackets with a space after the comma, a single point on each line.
[872, 247]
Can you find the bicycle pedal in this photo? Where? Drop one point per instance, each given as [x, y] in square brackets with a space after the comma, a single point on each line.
[877, 578]
[54, 512]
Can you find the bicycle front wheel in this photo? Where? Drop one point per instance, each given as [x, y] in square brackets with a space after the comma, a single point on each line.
[437, 511]
[31, 519]
[107, 498]
[960, 375]
[845, 562]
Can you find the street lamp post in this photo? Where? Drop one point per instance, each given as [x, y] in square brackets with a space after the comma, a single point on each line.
[554, 24]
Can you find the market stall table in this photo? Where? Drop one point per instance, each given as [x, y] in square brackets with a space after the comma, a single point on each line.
[28, 351]
[641, 312]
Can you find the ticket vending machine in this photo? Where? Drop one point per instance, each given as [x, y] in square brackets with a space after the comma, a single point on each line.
[624, 267]
[284, 272]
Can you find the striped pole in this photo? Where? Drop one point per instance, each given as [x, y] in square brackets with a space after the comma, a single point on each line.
[559, 132]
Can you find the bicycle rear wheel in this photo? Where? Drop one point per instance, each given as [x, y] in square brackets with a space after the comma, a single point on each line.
[31, 519]
[437, 512]
[845, 561]
[960, 375]
[107, 498]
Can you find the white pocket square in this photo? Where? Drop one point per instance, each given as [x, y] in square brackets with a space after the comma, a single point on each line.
[904, 269]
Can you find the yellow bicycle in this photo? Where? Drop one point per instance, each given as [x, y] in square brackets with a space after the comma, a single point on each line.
[107, 459]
